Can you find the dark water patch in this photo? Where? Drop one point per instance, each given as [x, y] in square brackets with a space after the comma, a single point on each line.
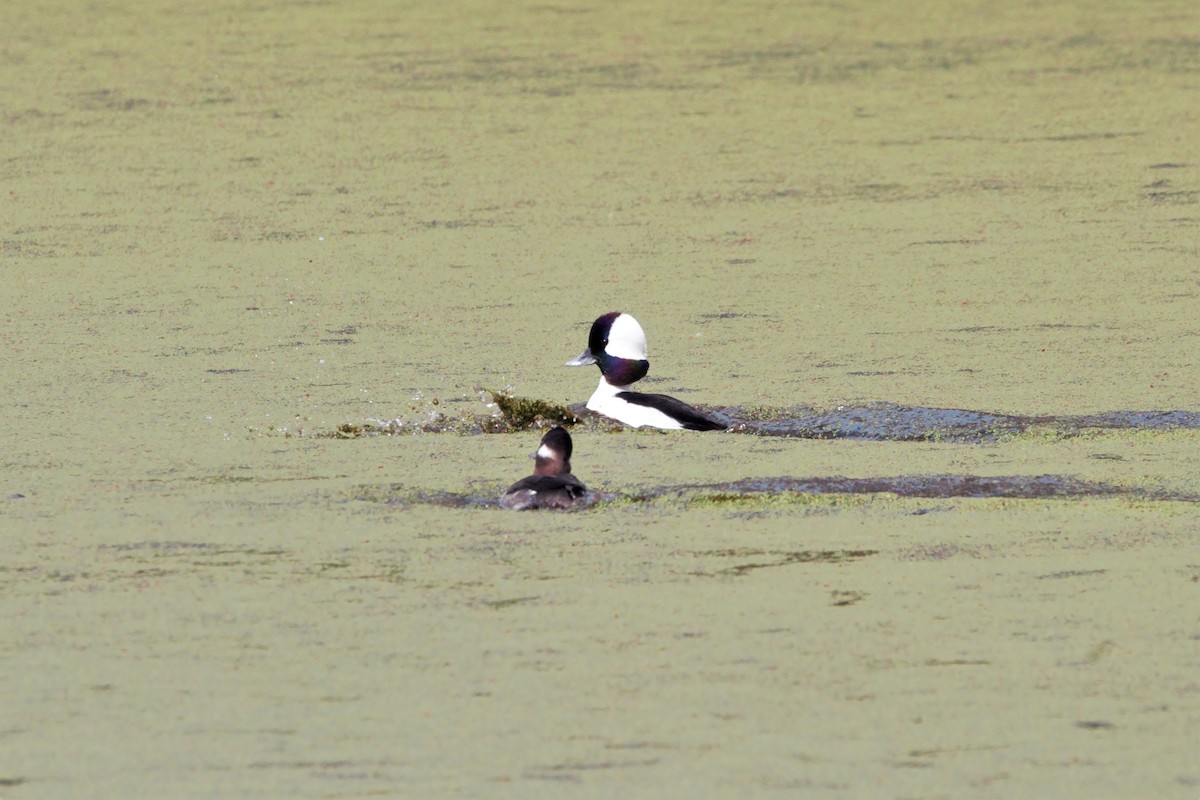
[882, 422]
[941, 551]
[509, 602]
[1040, 326]
[1017, 487]
[1071, 573]
[1152, 420]
[937, 486]
[110, 100]
[1080, 137]
[157, 546]
[704, 319]
[197, 554]
[1183, 197]
[566, 771]
[305, 765]
[809, 495]
[946, 241]
[453, 224]
[889, 422]
[847, 597]
[1094, 724]
[766, 559]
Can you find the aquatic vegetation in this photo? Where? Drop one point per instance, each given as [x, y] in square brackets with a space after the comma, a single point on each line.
[510, 413]
[523, 413]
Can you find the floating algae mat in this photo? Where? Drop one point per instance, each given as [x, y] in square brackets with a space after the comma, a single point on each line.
[511, 413]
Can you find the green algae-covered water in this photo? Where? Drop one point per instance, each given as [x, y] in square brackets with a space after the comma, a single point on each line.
[228, 231]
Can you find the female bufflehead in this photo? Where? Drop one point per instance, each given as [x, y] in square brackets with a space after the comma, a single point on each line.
[617, 344]
[551, 485]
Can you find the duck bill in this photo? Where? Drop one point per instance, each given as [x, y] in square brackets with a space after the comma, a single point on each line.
[582, 360]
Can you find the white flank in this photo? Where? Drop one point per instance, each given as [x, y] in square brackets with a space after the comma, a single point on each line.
[605, 401]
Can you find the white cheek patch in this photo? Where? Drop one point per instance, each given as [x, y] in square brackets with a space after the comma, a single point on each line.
[545, 452]
[626, 339]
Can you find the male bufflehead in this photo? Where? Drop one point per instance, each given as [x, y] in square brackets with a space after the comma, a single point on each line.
[551, 485]
[617, 344]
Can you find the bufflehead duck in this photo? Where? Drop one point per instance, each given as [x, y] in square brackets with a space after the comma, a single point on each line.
[617, 344]
[551, 485]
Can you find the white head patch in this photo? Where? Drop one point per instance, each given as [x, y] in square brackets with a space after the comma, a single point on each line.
[626, 339]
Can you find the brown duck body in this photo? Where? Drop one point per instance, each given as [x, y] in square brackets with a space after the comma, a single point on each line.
[551, 485]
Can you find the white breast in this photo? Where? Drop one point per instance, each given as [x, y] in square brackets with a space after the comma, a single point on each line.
[605, 401]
